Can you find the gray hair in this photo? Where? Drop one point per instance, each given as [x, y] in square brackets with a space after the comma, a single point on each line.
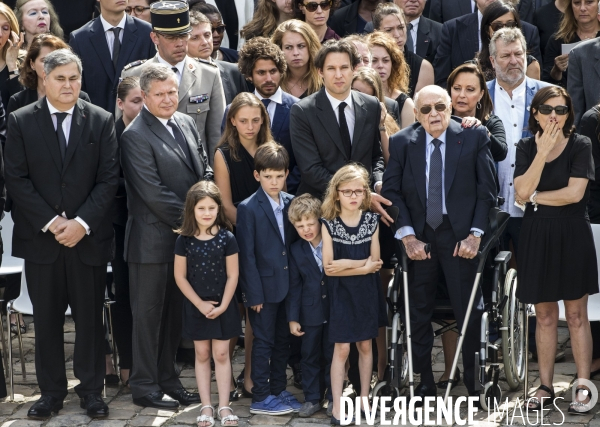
[508, 36]
[59, 58]
[154, 72]
[434, 89]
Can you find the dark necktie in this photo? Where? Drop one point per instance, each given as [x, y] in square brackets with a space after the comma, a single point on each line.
[344, 131]
[409, 41]
[266, 101]
[181, 141]
[175, 70]
[62, 140]
[116, 45]
[434, 196]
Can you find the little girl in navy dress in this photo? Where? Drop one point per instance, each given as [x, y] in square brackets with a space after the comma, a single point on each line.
[351, 259]
[206, 271]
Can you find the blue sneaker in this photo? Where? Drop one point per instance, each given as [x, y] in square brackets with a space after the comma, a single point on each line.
[288, 399]
[271, 406]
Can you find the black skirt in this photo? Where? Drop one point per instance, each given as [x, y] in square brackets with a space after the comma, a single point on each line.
[197, 327]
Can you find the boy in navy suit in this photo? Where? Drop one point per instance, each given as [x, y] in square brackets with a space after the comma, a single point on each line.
[307, 303]
[264, 236]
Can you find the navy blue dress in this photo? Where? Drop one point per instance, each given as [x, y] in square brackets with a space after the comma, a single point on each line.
[356, 301]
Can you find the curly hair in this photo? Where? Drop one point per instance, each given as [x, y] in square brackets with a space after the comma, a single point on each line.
[400, 74]
[55, 27]
[260, 48]
[27, 75]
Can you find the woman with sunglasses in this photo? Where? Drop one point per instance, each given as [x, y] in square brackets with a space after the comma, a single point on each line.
[579, 22]
[300, 45]
[219, 53]
[389, 18]
[557, 256]
[269, 14]
[498, 15]
[316, 14]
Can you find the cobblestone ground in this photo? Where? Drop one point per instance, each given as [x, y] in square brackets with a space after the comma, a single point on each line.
[124, 413]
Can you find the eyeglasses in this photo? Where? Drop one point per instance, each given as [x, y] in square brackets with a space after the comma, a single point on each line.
[313, 6]
[219, 29]
[495, 26]
[561, 110]
[426, 109]
[138, 10]
[349, 193]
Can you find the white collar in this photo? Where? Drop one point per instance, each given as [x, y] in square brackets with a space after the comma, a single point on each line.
[442, 137]
[276, 97]
[479, 18]
[160, 119]
[180, 65]
[274, 204]
[320, 245]
[54, 110]
[335, 103]
[518, 90]
[107, 26]
[415, 23]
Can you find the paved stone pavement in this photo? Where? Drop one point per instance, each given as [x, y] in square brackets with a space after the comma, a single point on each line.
[124, 413]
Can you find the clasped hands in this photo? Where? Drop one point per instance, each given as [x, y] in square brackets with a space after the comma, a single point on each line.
[67, 232]
[415, 249]
[209, 309]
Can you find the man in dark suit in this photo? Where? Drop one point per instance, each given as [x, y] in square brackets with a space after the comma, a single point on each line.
[62, 173]
[162, 157]
[353, 18]
[105, 45]
[444, 10]
[337, 125]
[460, 42]
[441, 178]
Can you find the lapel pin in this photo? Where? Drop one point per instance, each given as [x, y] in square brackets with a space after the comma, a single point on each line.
[459, 142]
[190, 66]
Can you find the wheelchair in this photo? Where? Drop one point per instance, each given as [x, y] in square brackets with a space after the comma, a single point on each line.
[503, 324]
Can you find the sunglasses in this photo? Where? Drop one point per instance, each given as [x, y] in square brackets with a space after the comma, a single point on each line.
[349, 193]
[561, 110]
[499, 25]
[426, 109]
[138, 10]
[220, 29]
[313, 6]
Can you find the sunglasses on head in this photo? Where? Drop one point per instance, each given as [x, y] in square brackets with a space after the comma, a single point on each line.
[426, 109]
[219, 29]
[561, 110]
[313, 6]
[499, 25]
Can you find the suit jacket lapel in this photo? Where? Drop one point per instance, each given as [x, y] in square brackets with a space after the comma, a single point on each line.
[360, 116]
[265, 204]
[77, 124]
[453, 149]
[465, 7]
[423, 41]
[306, 246]
[470, 28]
[98, 41]
[282, 113]
[328, 120]
[417, 153]
[161, 131]
[597, 58]
[189, 138]
[129, 41]
[44, 122]
[188, 79]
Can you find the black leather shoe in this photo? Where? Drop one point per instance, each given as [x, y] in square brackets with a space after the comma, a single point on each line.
[156, 400]
[444, 384]
[94, 405]
[44, 407]
[184, 397]
[423, 390]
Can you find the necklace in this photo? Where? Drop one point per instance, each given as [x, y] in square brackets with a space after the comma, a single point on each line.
[298, 83]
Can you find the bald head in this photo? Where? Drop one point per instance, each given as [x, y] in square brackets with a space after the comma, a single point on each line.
[438, 102]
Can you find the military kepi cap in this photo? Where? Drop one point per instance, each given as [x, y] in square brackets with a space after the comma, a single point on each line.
[170, 17]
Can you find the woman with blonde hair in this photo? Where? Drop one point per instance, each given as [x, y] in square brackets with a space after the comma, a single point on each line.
[268, 15]
[37, 17]
[300, 45]
[11, 55]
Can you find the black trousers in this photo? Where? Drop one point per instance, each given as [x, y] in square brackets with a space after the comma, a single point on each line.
[53, 287]
[121, 309]
[156, 305]
[317, 353]
[270, 350]
[423, 279]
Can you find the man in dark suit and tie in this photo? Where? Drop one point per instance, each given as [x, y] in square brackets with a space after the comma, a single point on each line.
[162, 157]
[441, 178]
[62, 172]
[105, 45]
[461, 40]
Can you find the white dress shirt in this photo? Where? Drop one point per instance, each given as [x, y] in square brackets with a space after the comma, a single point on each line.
[164, 122]
[276, 98]
[66, 127]
[511, 111]
[473, 5]
[110, 36]
[479, 18]
[318, 253]
[348, 111]
[180, 66]
[413, 32]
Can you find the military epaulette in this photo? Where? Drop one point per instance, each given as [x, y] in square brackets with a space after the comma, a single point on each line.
[204, 61]
[134, 64]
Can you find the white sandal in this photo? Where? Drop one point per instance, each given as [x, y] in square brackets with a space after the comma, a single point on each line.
[206, 418]
[231, 419]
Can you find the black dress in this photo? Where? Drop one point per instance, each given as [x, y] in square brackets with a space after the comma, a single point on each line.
[414, 65]
[241, 174]
[206, 272]
[557, 256]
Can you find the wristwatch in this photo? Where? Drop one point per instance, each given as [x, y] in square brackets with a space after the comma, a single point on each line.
[477, 234]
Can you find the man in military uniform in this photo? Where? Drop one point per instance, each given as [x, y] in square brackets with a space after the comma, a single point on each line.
[200, 89]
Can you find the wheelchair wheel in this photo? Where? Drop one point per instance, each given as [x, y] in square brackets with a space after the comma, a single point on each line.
[383, 389]
[513, 334]
[403, 365]
[489, 394]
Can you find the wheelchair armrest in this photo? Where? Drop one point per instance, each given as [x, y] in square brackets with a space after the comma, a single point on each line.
[503, 257]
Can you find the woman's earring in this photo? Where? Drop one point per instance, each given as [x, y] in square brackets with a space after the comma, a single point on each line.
[478, 105]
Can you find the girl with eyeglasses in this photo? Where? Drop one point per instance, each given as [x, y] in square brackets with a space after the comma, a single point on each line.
[316, 14]
[496, 16]
[269, 14]
[579, 22]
